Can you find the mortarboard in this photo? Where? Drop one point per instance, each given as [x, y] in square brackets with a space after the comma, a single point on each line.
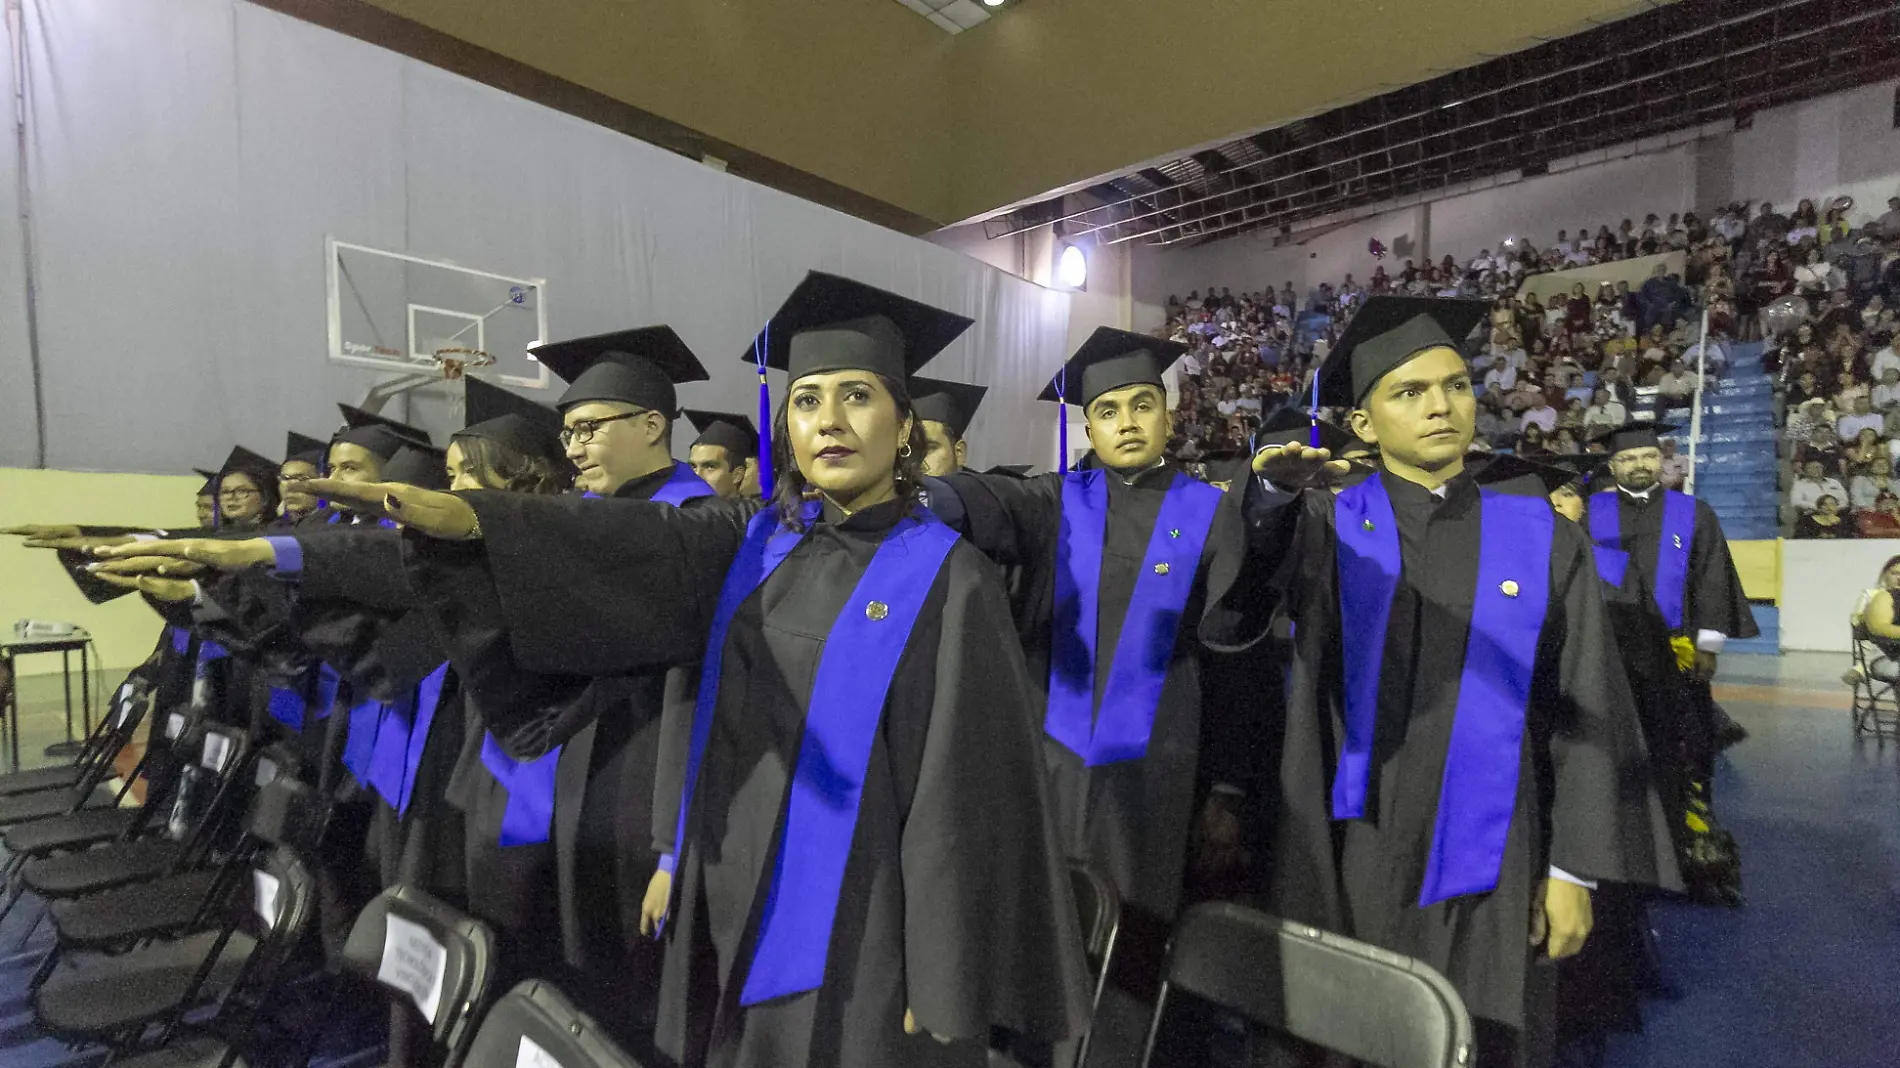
[1387, 332]
[953, 404]
[1288, 424]
[379, 434]
[640, 367]
[211, 481]
[728, 430]
[831, 323]
[1637, 435]
[417, 465]
[1507, 473]
[305, 449]
[262, 469]
[1111, 359]
[510, 420]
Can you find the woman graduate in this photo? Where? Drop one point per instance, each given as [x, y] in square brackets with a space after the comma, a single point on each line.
[867, 847]
[1457, 764]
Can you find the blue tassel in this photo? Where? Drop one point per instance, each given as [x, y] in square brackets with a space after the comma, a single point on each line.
[760, 346]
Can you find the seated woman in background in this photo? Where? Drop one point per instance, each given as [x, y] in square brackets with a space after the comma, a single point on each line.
[1882, 520]
[1858, 458]
[1873, 619]
[1875, 477]
[1825, 521]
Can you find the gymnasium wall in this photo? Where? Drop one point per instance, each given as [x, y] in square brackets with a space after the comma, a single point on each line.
[189, 159]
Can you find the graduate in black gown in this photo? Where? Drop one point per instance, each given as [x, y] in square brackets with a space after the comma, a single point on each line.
[867, 853]
[946, 409]
[303, 459]
[1457, 764]
[726, 452]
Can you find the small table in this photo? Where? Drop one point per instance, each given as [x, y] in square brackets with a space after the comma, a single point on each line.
[12, 648]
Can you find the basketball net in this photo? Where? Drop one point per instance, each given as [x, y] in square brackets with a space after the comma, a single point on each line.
[455, 361]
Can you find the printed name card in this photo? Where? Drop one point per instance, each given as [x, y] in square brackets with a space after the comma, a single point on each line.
[533, 1056]
[413, 962]
[264, 887]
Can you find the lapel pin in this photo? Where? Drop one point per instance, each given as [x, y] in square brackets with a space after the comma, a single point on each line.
[1509, 586]
[876, 611]
[1678, 540]
[1161, 569]
[1367, 524]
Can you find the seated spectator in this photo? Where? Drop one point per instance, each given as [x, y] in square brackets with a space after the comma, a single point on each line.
[1816, 277]
[1860, 415]
[1886, 395]
[1678, 384]
[1530, 441]
[1577, 310]
[1494, 425]
[1875, 479]
[1571, 417]
[1565, 442]
[1822, 447]
[1500, 379]
[1861, 452]
[1675, 467]
[1540, 414]
[1808, 418]
[1814, 484]
[1853, 389]
[1825, 521]
[1807, 387]
[1605, 410]
[1884, 358]
[1882, 520]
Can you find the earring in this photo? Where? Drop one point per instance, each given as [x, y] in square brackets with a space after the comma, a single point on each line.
[904, 450]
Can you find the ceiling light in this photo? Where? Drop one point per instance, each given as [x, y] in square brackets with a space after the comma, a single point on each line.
[992, 3]
[1072, 268]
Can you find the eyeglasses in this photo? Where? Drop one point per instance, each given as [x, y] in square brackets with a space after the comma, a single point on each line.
[583, 430]
[239, 493]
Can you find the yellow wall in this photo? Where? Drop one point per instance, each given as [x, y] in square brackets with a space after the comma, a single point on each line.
[32, 584]
[1759, 564]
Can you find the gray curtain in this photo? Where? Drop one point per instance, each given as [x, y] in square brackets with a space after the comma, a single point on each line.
[189, 159]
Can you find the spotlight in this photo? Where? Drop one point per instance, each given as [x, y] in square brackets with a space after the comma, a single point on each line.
[993, 3]
[1072, 268]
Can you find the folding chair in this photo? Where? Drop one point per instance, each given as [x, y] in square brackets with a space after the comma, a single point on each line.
[118, 999]
[535, 1024]
[284, 813]
[1876, 708]
[1374, 1006]
[438, 960]
[100, 749]
[1100, 907]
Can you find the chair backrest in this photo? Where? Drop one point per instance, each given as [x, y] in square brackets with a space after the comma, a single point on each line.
[1100, 908]
[427, 955]
[288, 813]
[535, 1025]
[1375, 1006]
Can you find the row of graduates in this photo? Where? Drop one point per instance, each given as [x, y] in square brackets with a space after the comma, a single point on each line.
[834, 748]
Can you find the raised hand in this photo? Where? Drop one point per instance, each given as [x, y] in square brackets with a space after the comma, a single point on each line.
[1296, 467]
[211, 552]
[159, 566]
[164, 589]
[439, 515]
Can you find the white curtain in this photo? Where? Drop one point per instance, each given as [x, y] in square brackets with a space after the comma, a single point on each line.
[189, 158]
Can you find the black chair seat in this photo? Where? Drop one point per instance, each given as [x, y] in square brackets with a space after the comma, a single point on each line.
[185, 1053]
[159, 907]
[109, 866]
[97, 997]
[58, 777]
[25, 808]
[77, 831]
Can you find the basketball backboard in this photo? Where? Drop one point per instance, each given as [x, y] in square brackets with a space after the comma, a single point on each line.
[393, 311]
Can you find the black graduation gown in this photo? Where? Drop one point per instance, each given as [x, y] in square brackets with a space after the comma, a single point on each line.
[1584, 801]
[573, 901]
[1131, 818]
[954, 902]
[1712, 597]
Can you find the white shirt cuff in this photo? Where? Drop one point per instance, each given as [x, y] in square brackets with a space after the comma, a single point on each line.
[1564, 876]
[145, 537]
[1710, 641]
[197, 595]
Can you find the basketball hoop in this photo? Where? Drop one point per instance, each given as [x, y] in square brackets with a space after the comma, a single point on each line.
[455, 361]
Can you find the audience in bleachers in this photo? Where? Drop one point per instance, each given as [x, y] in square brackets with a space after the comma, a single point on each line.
[1817, 290]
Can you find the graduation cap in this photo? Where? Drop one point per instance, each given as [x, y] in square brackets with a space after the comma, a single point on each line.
[211, 482]
[640, 367]
[1637, 435]
[261, 469]
[1507, 473]
[510, 420]
[831, 323]
[953, 404]
[1387, 332]
[1288, 424]
[1010, 470]
[302, 448]
[379, 434]
[1111, 359]
[728, 430]
[418, 465]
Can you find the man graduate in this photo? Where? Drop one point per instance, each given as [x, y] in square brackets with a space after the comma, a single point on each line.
[946, 409]
[303, 459]
[1456, 762]
[726, 452]
[1114, 563]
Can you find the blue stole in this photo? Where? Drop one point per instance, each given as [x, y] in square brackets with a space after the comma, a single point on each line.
[529, 815]
[1141, 656]
[366, 720]
[400, 739]
[1672, 549]
[292, 707]
[846, 703]
[1479, 788]
[286, 704]
[1612, 565]
[180, 639]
